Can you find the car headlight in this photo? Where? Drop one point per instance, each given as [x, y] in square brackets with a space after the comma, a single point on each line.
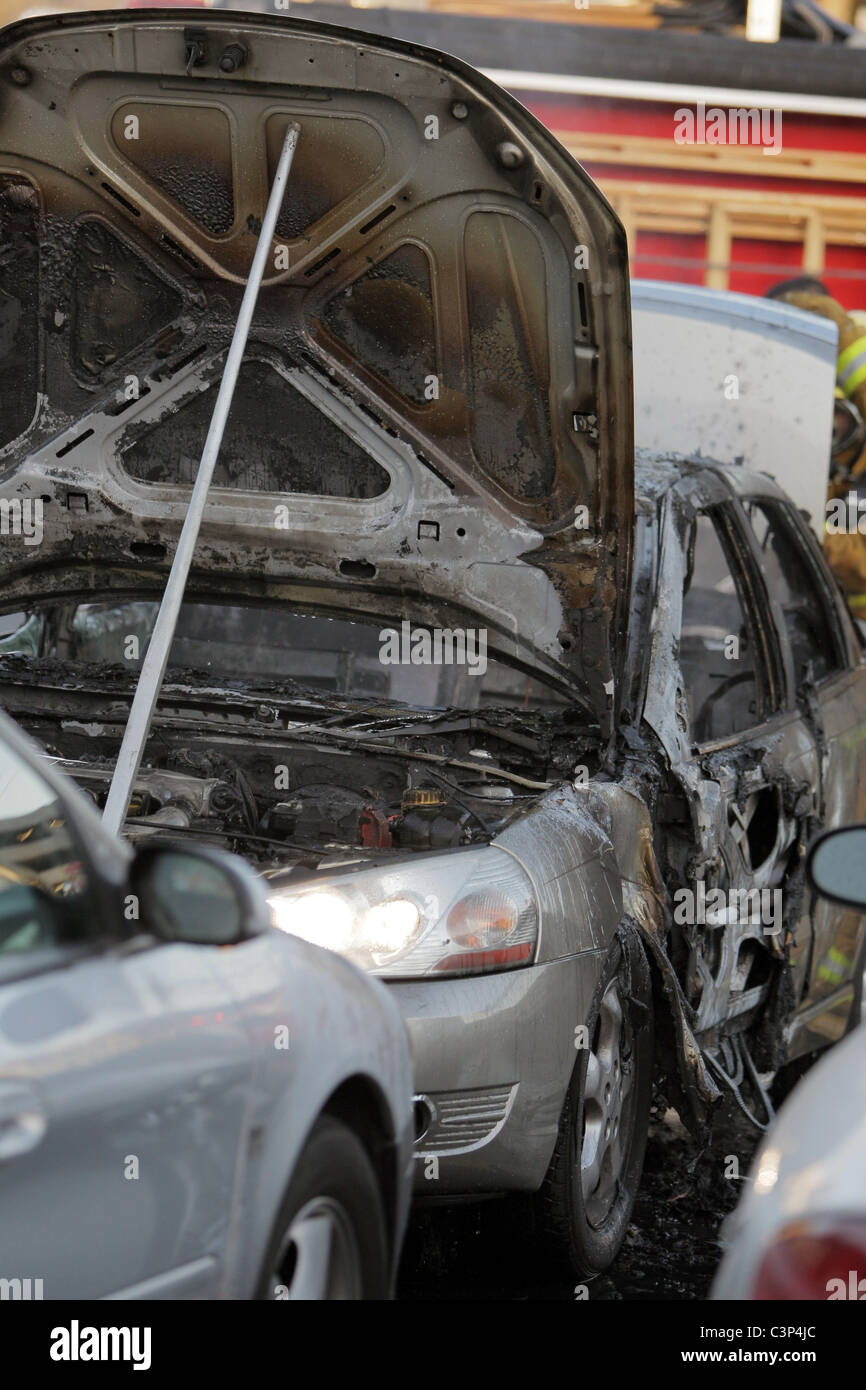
[452, 914]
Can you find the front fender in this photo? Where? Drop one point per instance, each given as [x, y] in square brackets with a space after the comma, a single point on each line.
[315, 1022]
[590, 855]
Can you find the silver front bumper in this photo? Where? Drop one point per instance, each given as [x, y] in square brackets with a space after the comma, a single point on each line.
[493, 1056]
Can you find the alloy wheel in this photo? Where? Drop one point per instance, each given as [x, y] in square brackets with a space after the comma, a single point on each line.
[606, 1113]
[319, 1257]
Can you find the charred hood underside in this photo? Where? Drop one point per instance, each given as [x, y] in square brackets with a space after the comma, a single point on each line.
[438, 373]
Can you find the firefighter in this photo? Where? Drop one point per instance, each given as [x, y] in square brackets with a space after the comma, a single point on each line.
[845, 548]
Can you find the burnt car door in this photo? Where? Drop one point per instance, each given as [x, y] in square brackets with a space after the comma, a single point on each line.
[826, 681]
[744, 768]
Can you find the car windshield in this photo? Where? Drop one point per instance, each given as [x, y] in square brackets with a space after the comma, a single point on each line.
[432, 668]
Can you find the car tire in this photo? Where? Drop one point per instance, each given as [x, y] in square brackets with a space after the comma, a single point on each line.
[582, 1222]
[330, 1239]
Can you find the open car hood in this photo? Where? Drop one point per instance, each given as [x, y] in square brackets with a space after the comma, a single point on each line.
[434, 416]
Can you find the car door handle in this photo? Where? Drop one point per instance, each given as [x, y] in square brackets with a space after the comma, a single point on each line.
[22, 1119]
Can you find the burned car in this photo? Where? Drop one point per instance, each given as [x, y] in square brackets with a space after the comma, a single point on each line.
[533, 731]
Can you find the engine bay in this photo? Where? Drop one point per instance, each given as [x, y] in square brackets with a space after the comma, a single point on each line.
[240, 769]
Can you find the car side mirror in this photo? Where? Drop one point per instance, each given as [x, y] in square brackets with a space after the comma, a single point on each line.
[197, 894]
[836, 865]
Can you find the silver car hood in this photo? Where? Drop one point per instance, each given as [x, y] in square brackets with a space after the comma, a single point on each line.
[434, 419]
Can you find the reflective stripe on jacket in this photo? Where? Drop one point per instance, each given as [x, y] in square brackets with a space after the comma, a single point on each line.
[851, 366]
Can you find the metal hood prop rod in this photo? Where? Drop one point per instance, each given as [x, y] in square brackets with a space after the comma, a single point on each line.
[156, 658]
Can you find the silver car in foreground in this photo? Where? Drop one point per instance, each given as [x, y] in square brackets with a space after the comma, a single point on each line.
[192, 1105]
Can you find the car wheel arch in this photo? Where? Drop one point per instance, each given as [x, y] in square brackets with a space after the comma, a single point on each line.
[646, 910]
[360, 1104]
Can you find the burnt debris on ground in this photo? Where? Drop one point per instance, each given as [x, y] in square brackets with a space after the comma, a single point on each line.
[671, 1250]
